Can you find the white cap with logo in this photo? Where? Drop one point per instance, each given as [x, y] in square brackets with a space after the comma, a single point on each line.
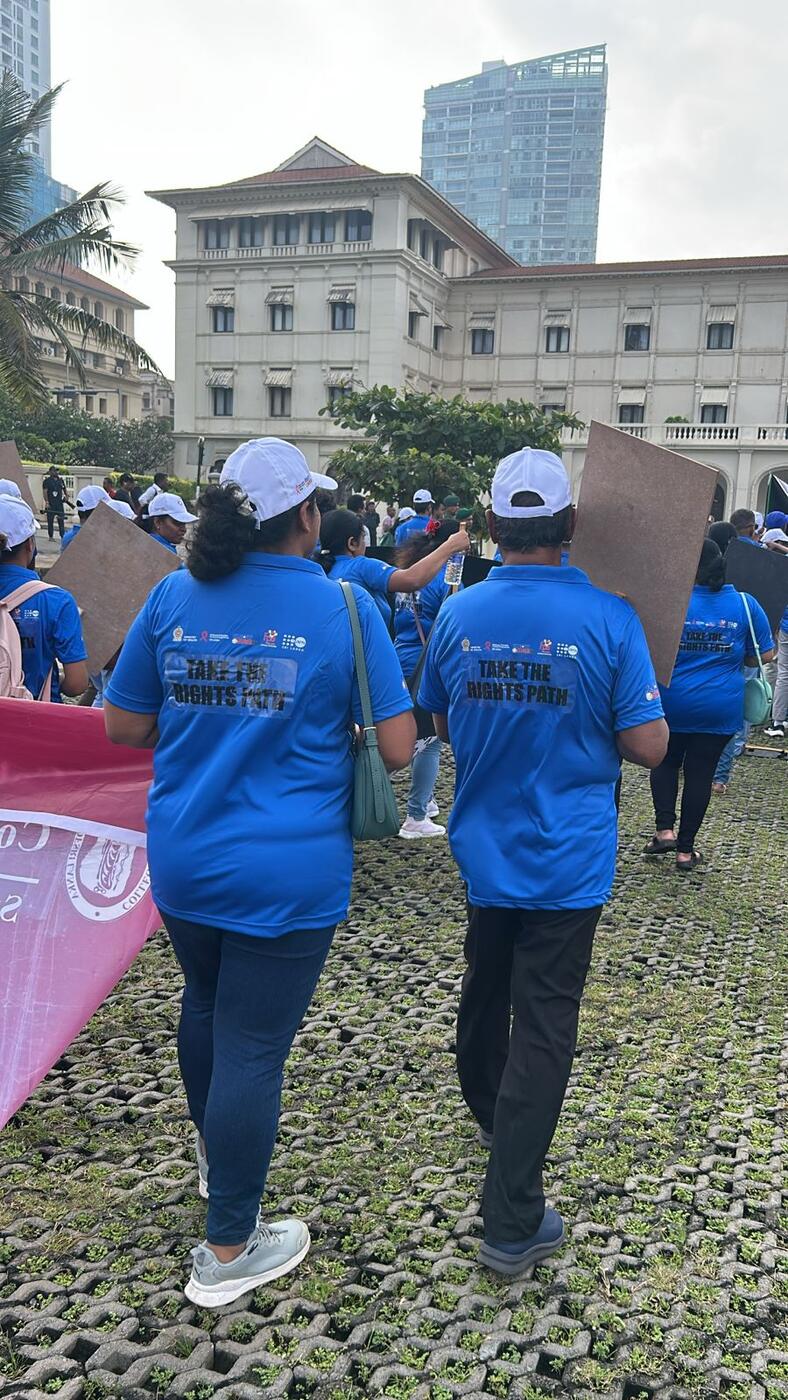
[423, 497]
[9, 488]
[122, 508]
[274, 475]
[168, 503]
[531, 469]
[90, 497]
[406, 513]
[17, 521]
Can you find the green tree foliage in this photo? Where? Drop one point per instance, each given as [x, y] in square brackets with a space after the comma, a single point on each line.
[80, 233]
[412, 440]
[72, 438]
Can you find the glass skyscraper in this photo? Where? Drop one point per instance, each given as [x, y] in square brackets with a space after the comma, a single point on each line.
[24, 50]
[519, 150]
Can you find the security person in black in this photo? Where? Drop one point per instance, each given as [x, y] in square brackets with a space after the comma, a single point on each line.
[55, 499]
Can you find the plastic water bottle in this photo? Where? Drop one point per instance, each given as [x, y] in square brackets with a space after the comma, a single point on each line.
[453, 575]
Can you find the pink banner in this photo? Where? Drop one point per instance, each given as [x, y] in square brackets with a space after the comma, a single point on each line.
[75, 906]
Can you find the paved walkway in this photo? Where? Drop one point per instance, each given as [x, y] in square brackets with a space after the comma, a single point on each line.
[669, 1164]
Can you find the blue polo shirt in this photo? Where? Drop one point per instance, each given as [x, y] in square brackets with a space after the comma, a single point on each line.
[412, 526]
[252, 678]
[371, 574]
[706, 691]
[69, 536]
[538, 671]
[428, 601]
[49, 629]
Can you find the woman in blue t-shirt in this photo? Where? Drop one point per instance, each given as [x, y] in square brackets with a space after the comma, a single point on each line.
[704, 703]
[414, 614]
[343, 554]
[239, 673]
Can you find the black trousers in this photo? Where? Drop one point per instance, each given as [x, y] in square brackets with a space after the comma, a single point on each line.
[516, 1038]
[52, 516]
[698, 755]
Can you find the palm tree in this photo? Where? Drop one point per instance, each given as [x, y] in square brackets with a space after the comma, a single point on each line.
[79, 233]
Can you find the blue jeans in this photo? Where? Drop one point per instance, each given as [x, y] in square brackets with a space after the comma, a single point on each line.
[243, 1002]
[423, 777]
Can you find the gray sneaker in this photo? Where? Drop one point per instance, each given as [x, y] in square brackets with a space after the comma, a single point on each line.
[271, 1251]
[202, 1167]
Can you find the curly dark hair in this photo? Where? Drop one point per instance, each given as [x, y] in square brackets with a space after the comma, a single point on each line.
[224, 533]
[423, 542]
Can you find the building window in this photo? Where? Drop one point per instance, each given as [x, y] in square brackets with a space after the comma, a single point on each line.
[424, 245]
[102, 405]
[338, 392]
[556, 340]
[222, 403]
[719, 336]
[146, 402]
[222, 319]
[250, 233]
[482, 342]
[714, 413]
[321, 228]
[630, 413]
[84, 304]
[437, 338]
[637, 337]
[413, 325]
[120, 320]
[279, 401]
[124, 405]
[98, 310]
[216, 233]
[558, 406]
[343, 316]
[41, 290]
[88, 403]
[287, 230]
[281, 317]
[70, 299]
[358, 226]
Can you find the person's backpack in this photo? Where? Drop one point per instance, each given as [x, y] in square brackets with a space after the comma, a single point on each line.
[12, 683]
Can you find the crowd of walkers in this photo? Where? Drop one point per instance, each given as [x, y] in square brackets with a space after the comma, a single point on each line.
[539, 682]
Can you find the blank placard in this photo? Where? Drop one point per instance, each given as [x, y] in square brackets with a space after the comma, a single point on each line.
[642, 516]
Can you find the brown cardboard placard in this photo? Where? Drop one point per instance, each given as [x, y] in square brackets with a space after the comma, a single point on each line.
[110, 568]
[642, 516]
[11, 467]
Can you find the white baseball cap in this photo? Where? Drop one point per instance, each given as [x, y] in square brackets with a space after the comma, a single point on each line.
[91, 496]
[406, 513]
[168, 503]
[10, 488]
[274, 475]
[530, 469]
[122, 508]
[775, 537]
[423, 498]
[17, 521]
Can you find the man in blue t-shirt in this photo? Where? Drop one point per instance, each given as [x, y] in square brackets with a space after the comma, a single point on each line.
[48, 621]
[542, 684]
[422, 508]
[87, 500]
[746, 526]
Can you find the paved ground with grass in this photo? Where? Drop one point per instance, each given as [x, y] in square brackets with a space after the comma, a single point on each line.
[669, 1164]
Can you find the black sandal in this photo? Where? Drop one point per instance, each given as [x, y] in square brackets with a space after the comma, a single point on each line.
[656, 847]
[685, 866]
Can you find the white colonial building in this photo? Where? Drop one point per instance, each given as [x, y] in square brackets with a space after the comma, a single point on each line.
[294, 285]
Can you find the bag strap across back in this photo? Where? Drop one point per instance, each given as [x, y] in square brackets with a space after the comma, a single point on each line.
[756, 648]
[358, 651]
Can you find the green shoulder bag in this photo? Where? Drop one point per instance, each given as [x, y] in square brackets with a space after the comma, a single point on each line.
[375, 814]
[757, 691]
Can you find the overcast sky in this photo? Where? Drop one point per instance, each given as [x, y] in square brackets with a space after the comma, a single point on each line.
[166, 93]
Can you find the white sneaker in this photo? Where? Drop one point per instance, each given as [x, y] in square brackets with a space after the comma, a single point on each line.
[775, 731]
[433, 808]
[411, 830]
[271, 1251]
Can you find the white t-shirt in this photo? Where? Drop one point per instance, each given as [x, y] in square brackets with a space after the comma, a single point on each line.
[148, 495]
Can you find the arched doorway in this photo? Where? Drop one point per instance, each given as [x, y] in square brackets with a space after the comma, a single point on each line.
[720, 495]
